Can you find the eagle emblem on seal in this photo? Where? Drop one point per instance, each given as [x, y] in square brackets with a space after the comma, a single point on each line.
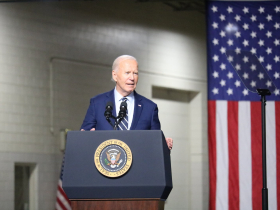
[113, 156]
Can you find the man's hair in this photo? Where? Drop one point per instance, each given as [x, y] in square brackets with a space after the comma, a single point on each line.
[117, 61]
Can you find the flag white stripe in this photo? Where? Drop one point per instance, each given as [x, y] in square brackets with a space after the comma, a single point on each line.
[245, 156]
[58, 207]
[61, 197]
[60, 183]
[222, 155]
[271, 154]
[63, 200]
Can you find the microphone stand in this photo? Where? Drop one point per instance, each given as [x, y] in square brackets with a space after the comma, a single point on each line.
[122, 113]
[108, 119]
[263, 93]
[117, 121]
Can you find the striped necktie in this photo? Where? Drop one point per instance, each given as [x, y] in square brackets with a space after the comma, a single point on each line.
[123, 125]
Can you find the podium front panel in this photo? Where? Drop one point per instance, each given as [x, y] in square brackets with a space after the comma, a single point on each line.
[148, 177]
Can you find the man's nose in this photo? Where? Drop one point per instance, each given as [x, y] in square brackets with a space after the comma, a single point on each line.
[131, 76]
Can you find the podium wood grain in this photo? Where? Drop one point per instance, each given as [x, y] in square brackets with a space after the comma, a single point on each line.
[127, 204]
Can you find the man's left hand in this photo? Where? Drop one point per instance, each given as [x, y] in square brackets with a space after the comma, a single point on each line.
[169, 142]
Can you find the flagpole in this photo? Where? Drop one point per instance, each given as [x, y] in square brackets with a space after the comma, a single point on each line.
[263, 93]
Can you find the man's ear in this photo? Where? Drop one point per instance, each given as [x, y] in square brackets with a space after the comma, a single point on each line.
[114, 75]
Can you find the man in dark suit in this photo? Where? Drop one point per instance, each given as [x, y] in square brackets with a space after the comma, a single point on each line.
[142, 113]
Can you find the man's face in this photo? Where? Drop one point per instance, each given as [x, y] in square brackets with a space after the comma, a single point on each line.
[126, 77]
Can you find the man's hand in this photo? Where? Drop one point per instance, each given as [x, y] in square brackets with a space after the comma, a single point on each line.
[169, 142]
[93, 129]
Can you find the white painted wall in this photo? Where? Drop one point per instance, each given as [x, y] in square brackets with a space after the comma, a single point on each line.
[171, 51]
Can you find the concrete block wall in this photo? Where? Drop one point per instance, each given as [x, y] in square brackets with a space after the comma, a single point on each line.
[78, 42]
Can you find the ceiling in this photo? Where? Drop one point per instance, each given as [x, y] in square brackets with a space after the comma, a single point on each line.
[182, 5]
[176, 5]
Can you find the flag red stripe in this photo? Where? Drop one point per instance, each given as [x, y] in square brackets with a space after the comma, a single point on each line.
[277, 120]
[233, 185]
[256, 145]
[60, 204]
[212, 153]
[63, 194]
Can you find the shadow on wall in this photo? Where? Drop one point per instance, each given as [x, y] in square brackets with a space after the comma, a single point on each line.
[173, 94]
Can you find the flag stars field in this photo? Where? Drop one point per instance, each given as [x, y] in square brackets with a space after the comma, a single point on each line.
[261, 9]
[237, 34]
[269, 67]
[237, 67]
[215, 74]
[223, 83]
[237, 83]
[222, 34]
[223, 66]
[230, 75]
[229, 91]
[223, 50]
[215, 41]
[237, 18]
[247, 28]
[245, 92]
[253, 34]
[245, 10]
[237, 50]
[246, 75]
[230, 58]
[269, 18]
[268, 83]
[229, 9]
[253, 50]
[215, 91]
[268, 34]
[253, 83]
[268, 50]
[253, 67]
[276, 75]
[253, 18]
[222, 17]
[261, 76]
[261, 26]
[261, 59]
[261, 42]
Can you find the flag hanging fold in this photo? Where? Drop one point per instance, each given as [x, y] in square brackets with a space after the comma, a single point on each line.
[62, 201]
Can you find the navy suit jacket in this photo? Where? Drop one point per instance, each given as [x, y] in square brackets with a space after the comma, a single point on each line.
[145, 115]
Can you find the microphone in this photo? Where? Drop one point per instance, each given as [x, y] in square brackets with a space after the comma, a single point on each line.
[123, 108]
[109, 109]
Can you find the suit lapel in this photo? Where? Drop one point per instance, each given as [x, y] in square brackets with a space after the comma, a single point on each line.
[138, 107]
[111, 97]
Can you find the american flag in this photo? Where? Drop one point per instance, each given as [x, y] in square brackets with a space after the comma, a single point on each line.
[62, 201]
[240, 36]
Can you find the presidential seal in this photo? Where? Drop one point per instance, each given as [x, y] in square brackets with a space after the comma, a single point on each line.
[113, 158]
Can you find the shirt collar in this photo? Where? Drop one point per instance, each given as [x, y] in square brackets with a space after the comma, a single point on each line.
[118, 96]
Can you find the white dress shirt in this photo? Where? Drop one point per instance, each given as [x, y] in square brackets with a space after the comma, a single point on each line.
[130, 105]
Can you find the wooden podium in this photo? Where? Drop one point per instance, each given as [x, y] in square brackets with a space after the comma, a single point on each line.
[145, 185]
[118, 204]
